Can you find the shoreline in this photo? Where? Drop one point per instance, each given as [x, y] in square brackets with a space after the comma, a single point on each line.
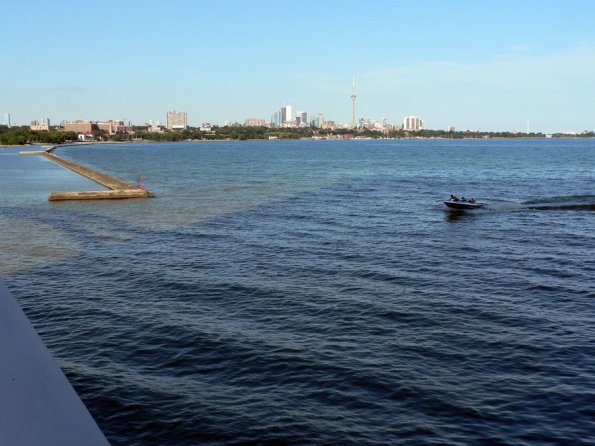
[310, 138]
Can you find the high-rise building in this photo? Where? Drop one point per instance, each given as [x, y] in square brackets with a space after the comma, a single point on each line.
[177, 120]
[285, 115]
[288, 114]
[303, 118]
[413, 123]
[353, 103]
[319, 120]
[7, 119]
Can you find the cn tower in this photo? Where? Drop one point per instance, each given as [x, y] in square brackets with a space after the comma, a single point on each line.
[353, 103]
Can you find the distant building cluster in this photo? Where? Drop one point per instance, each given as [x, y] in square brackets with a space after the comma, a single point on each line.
[285, 117]
[40, 126]
[372, 124]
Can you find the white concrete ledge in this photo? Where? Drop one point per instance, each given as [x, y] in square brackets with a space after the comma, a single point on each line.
[38, 406]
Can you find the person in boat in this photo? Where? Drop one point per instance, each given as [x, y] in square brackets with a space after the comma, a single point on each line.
[472, 200]
[463, 199]
[453, 198]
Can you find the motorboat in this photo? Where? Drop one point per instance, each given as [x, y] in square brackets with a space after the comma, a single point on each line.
[463, 203]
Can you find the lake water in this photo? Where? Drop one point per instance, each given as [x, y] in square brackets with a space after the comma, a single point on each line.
[316, 292]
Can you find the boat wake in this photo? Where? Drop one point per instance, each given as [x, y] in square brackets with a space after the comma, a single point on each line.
[557, 203]
[571, 203]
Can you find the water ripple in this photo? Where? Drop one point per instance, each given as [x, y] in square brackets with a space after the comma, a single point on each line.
[345, 307]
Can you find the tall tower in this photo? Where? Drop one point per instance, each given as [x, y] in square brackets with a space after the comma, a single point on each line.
[353, 103]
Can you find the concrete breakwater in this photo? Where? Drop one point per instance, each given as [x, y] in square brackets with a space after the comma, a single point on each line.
[117, 188]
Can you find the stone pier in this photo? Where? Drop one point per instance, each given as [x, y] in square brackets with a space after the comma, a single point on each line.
[118, 188]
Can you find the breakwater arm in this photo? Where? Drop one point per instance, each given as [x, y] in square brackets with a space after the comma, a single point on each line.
[117, 188]
[92, 174]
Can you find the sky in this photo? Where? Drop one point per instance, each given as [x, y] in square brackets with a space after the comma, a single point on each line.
[475, 65]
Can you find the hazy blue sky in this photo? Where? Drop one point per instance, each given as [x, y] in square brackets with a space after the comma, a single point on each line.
[488, 65]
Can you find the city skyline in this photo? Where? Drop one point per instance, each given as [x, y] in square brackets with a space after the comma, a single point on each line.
[493, 66]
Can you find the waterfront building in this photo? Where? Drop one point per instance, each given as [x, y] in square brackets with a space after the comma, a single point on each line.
[85, 127]
[253, 122]
[114, 126]
[176, 120]
[413, 123]
[81, 127]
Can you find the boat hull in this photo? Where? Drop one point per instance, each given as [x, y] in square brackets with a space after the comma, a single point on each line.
[463, 205]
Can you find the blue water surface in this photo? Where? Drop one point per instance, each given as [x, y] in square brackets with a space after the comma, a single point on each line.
[317, 292]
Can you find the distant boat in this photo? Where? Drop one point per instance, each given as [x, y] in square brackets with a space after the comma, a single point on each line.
[463, 203]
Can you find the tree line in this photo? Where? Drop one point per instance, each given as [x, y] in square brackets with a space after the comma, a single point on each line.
[24, 135]
[254, 133]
